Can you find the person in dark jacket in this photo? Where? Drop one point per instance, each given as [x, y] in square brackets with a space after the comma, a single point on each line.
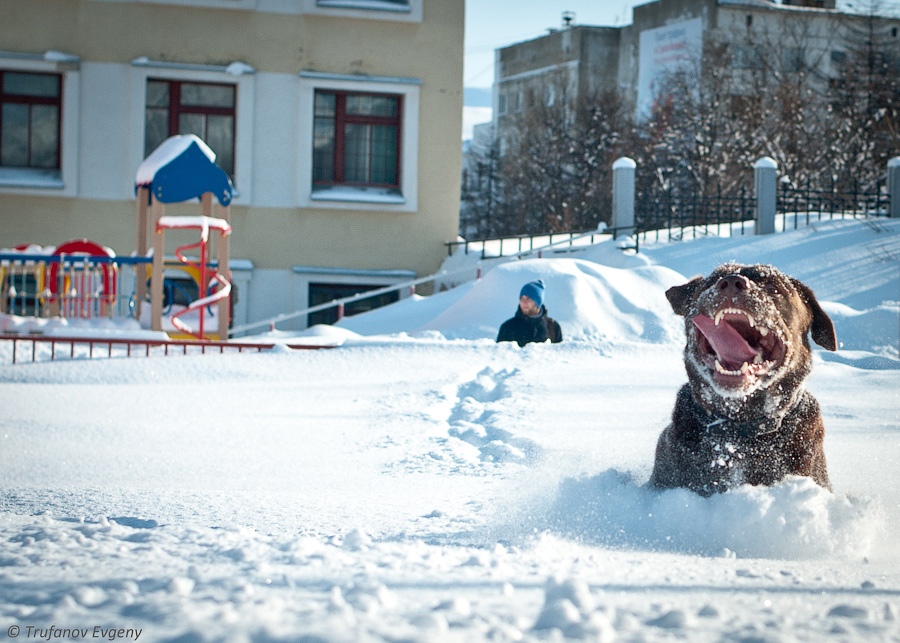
[530, 323]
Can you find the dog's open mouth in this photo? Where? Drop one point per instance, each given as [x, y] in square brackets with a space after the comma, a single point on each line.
[736, 347]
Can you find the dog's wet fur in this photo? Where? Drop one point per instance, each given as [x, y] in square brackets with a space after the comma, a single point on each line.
[745, 416]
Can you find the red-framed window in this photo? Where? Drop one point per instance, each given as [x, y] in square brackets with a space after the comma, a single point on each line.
[206, 110]
[357, 139]
[30, 119]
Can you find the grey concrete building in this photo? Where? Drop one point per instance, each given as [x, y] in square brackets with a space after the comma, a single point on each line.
[667, 35]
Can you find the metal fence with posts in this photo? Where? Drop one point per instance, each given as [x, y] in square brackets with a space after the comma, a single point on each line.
[808, 204]
[670, 215]
[522, 243]
[654, 214]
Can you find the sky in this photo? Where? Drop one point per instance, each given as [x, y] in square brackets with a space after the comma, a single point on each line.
[491, 24]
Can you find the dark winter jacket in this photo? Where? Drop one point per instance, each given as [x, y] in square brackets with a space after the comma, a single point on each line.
[524, 329]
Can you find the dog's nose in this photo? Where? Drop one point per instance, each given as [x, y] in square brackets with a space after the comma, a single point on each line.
[733, 284]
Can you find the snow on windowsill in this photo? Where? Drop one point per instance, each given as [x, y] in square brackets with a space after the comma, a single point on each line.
[358, 195]
[30, 178]
[376, 5]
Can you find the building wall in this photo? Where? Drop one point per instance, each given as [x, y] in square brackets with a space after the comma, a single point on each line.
[600, 51]
[816, 33]
[666, 12]
[578, 60]
[610, 58]
[286, 51]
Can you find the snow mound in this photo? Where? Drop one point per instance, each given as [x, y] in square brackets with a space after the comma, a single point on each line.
[795, 519]
[587, 299]
[405, 315]
[318, 335]
[873, 330]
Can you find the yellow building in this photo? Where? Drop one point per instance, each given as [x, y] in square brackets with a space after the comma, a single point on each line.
[338, 122]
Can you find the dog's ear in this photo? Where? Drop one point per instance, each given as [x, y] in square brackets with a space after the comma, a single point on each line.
[822, 329]
[680, 296]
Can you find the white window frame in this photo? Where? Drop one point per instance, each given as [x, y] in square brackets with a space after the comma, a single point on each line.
[34, 181]
[237, 74]
[208, 4]
[361, 198]
[365, 9]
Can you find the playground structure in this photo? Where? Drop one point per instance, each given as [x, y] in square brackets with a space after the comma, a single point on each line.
[183, 168]
[81, 279]
[96, 282]
[202, 270]
[78, 278]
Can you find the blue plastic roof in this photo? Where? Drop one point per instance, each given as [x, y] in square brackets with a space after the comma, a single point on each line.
[183, 168]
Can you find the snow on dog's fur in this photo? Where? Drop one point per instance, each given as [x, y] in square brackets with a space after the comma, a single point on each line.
[745, 415]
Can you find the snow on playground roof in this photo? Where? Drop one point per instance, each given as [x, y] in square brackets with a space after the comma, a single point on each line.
[200, 223]
[183, 168]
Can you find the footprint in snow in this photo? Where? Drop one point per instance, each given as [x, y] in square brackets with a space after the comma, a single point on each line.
[482, 417]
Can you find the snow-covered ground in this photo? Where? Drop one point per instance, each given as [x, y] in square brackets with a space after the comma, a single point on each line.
[421, 483]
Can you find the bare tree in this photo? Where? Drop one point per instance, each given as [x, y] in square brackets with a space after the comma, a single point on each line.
[821, 96]
[482, 189]
[556, 169]
[694, 142]
[866, 98]
[760, 92]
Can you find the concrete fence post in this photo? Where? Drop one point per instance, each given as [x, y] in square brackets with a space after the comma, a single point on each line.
[893, 186]
[765, 172]
[623, 196]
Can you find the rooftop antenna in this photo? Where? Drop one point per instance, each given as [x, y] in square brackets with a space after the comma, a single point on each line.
[568, 17]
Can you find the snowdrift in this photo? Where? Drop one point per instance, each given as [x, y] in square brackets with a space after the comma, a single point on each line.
[590, 301]
[794, 520]
[424, 483]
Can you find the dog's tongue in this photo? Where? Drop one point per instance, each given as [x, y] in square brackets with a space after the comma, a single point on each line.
[731, 349]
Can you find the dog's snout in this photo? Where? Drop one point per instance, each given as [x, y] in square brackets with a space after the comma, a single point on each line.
[733, 284]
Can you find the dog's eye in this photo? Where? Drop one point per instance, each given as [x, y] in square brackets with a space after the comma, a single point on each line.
[771, 289]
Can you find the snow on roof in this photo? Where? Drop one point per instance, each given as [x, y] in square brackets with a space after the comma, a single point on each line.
[182, 168]
[168, 151]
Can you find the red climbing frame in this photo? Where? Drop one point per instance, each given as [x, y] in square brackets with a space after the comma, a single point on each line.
[81, 280]
[203, 224]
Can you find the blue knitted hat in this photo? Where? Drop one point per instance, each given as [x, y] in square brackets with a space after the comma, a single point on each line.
[534, 290]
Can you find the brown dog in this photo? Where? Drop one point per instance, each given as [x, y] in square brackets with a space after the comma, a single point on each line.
[745, 417]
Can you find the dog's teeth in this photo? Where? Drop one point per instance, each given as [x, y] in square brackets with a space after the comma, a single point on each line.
[745, 368]
[721, 369]
[733, 311]
[763, 331]
[757, 359]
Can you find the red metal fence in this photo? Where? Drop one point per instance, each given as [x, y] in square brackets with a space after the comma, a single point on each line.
[103, 346]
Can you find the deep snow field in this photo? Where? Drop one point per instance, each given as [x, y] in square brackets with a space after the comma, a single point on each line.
[419, 482]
